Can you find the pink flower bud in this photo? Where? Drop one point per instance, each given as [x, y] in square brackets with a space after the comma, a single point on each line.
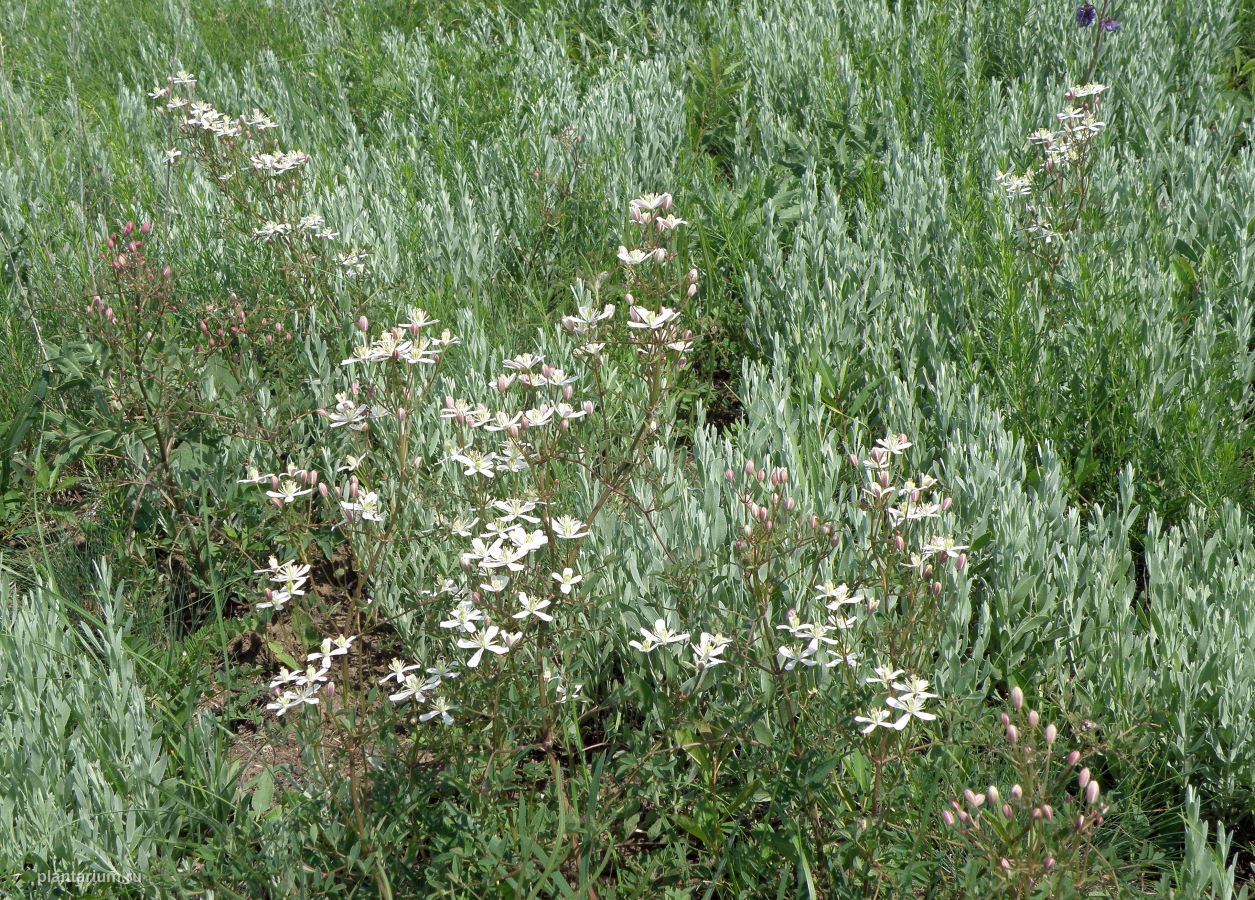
[145, 228]
[946, 504]
[363, 323]
[277, 502]
[1048, 811]
[692, 289]
[1007, 811]
[1033, 718]
[567, 392]
[165, 272]
[588, 407]
[1048, 863]
[936, 588]
[313, 476]
[322, 489]
[729, 474]
[899, 542]
[128, 229]
[1016, 792]
[337, 491]
[853, 458]
[1004, 718]
[992, 795]
[1005, 864]
[1082, 777]
[1017, 697]
[1074, 757]
[960, 562]
[1051, 733]
[1013, 734]
[108, 312]
[947, 817]
[330, 689]
[761, 475]
[1091, 793]
[974, 800]
[274, 482]
[749, 467]
[789, 503]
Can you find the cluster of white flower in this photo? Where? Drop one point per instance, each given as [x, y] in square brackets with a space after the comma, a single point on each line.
[907, 697]
[1061, 149]
[278, 163]
[823, 642]
[291, 578]
[417, 688]
[707, 650]
[293, 689]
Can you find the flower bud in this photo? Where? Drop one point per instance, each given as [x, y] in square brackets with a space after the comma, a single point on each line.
[1007, 811]
[789, 503]
[1013, 734]
[128, 229]
[936, 588]
[729, 474]
[1033, 718]
[363, 323]
[322, 489]
[946, 504]
[692, 275]
[1091, 793]
[588, 407]
[1048, 863]
[1082, 777]
[947, 817]
[1016, 792]
[1017, 697]
[899, 542]
[853, 458]
[1004, 718]
[567, 392]
[1048, 811]
[992, 795]
[692, 289]
[1074, 757]
[960, 562]
[1005, 864]
[749, 467]
[1051, 733]
[145, 228]
[761, 475]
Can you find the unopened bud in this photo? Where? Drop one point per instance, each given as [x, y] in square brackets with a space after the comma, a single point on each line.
[588, 407]
[1033, 718]
[363, 323]
[1091, 793]
[1007, 811]
[692, 289]
[1048, 863]
[936, 588]
[1016, 792]
[947, 503]
[899, 542]
[960, 562]
[1051, 733]
[1082, 777]
[1013, 734]
[789, 503]
[1074, 757]
[729, 474]
[322, 489]
[947, 817]
[1004, 718]
[1017, 697]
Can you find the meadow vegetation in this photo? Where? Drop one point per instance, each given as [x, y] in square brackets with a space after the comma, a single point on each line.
[689, 450]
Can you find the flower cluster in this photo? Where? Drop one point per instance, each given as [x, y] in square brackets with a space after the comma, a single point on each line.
[904, 699]
[1062, 171]
[1037, 831]
[293, 689]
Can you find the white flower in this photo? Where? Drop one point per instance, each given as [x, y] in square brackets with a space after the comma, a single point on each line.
[182, 77]
[496, 584]
[533, 606]
[330, 649]
[171, 155]
[349, 412]
[413, 687]
[875, 718]
[651, 202]
[289, 699]
[634, 257]
[440, 707]
[517, 509]
[945, 546]
[252, 475]
[707, 650]
[912, 706]
[524, 362]
[476, 463]
[158, 92]
[668, 223]
[397, 671]
[916, 687]
[837, 595]
[568, 528]
[884, 675]
[642, 317]
[897, 444]
[463, 617]
[271, 230]
[350, 463]
[367, 508]
[792, 655]
[288, 491]
[567, 580]
[659, 637]
[483, 640]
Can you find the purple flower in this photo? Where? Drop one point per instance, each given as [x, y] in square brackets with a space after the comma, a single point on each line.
[1085, 15]
[1110, 25]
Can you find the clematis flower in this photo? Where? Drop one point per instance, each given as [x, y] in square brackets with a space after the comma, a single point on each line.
[483, 640]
